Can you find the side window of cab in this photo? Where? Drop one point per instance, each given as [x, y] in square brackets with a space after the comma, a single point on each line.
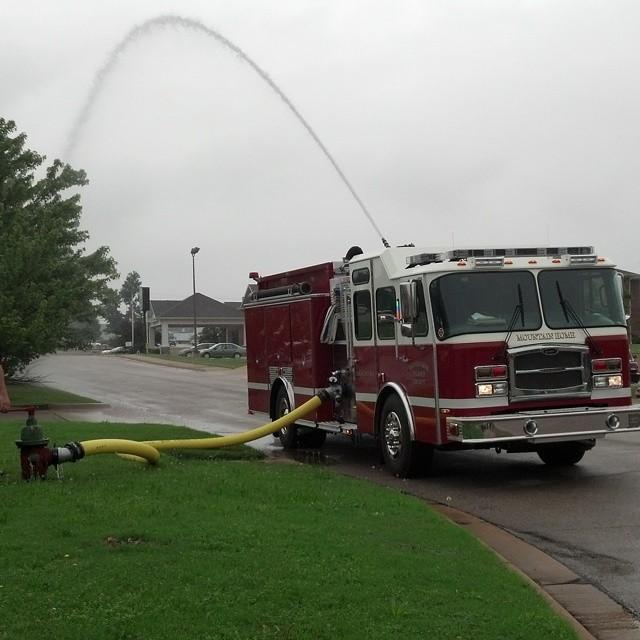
[362, 315]
[386, 312]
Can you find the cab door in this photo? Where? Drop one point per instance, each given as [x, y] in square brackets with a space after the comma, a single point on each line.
[364, 346]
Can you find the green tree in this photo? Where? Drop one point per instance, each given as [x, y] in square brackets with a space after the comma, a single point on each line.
[119, 323]
[130, 293]
[50, 287]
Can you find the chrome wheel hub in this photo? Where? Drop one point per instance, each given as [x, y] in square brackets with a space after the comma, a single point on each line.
[284, 410]
[392, 433]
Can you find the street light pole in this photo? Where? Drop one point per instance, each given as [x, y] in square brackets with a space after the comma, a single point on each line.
[194, 250]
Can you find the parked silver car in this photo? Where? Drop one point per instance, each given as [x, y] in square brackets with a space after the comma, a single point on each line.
[190, 351]
[224, 350]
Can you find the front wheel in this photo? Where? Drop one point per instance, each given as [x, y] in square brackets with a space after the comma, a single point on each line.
[236, 355]
[561, 454]
[403, 456]
[206, 355]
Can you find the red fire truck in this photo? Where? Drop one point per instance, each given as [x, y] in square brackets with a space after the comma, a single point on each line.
[514, 349]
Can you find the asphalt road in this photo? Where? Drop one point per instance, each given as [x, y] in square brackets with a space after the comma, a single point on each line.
[588, 516]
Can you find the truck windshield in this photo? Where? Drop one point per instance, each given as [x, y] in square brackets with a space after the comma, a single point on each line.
[484, 302]
[590, 296]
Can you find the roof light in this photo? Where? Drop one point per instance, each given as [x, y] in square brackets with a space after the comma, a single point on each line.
[518, 252]
[487, 261]
[582, 259]
[577, 254]
[423, 258]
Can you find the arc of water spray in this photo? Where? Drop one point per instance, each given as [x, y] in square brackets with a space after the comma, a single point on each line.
[178, 21]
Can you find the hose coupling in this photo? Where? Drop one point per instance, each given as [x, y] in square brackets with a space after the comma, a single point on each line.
[71, 452]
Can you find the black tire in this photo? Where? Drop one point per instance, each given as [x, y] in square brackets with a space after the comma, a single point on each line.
[561, 454]
[403, 456]
[236, 355]
[206, 355]
[288, 435]
[311, 438]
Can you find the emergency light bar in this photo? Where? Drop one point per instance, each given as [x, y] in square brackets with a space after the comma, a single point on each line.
[520, 252]
[583, 259]
[423, 258]
[578, 255]
[486, 261]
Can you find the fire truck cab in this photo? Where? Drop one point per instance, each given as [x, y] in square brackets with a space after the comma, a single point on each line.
[516, 349]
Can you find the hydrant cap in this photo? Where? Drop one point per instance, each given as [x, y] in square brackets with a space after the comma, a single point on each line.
[32, 435]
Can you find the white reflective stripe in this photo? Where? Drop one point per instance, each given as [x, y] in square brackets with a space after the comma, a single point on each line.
[601, 394]
[305, 391]
[422, 402]
[265, 386]
[445, 403]
[258, 386]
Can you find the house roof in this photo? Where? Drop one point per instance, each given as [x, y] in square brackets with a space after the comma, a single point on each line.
[205, 308]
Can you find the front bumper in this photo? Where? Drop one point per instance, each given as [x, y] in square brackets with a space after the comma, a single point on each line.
[540, 426]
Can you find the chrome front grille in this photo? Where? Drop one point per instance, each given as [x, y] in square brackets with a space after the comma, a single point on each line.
[544, 371]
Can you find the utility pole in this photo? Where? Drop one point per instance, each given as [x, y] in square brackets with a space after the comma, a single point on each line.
[194, 250]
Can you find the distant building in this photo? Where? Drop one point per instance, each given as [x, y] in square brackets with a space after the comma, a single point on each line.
[170, 322]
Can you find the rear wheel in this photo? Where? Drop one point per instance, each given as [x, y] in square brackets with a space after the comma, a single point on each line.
[206, 355]
[403, 456]
[561, 454]
[288, 435]
[236, 355]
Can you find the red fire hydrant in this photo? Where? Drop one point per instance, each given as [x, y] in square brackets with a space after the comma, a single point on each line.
[35, 456]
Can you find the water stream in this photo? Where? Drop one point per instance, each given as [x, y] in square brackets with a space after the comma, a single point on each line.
[140, 31]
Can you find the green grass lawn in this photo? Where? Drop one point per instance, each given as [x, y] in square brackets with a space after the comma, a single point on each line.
[221, 548]
[22, 393]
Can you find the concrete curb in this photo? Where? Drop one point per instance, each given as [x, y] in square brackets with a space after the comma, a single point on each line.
[63, 406]
[592, 613]
[193, 366]
[166, 363]
[71, 406]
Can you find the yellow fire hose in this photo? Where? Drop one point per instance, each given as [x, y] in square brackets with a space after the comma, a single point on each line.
[150, 450]
[130, 448]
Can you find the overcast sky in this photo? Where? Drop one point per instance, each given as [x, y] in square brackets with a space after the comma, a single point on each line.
[465, 122]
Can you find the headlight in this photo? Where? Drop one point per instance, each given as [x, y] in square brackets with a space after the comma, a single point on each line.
[607, 382]
[486, 389]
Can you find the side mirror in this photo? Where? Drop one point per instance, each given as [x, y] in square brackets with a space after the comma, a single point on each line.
[409, 301]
